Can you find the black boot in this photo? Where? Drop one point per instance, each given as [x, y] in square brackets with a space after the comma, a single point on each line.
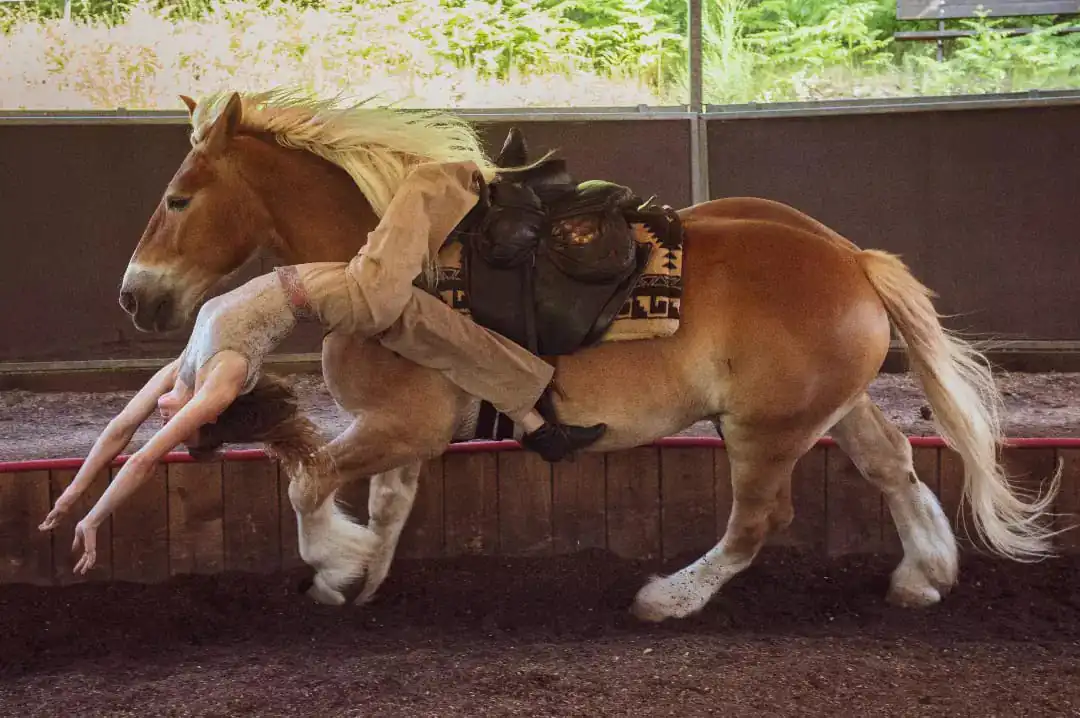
[555, 441]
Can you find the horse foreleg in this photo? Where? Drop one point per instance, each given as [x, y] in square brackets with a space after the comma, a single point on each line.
[340, 550]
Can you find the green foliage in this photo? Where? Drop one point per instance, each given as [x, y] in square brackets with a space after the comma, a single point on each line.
[140, 53]
[793, 50]
[991, 62]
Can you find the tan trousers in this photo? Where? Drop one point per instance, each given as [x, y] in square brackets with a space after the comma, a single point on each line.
[373, 295]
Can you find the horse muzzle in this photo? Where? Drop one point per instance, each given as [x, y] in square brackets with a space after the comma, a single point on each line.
[150, 313]
[151, 301]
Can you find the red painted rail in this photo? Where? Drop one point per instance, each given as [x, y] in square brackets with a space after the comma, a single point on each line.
[704, 442]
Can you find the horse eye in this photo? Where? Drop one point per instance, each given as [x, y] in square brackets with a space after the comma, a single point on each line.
[177, 203]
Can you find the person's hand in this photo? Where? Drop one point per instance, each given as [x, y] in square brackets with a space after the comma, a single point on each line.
[60, 509]
[86, 538]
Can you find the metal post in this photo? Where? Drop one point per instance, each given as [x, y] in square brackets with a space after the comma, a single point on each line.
[941, 29]
[699, 161]
[696, 84]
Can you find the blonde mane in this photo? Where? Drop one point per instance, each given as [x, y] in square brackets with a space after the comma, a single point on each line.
[377, 146]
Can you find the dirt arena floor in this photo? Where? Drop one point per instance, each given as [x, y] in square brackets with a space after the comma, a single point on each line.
[478, 637]
[549, 637]
[62, 425]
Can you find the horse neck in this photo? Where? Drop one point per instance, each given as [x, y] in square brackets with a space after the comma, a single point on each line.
[318, 211]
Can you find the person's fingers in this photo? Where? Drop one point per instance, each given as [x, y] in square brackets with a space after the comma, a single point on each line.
[54, 516]
[89, 560]
[89, 557]
[90, 539]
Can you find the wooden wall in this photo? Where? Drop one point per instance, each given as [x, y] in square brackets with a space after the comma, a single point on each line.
[653, 502]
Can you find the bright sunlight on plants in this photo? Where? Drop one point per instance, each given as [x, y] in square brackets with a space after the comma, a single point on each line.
[140, 54]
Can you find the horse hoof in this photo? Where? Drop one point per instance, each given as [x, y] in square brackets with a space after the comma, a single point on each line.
[649, 614]
[323, 594]
[913, 596]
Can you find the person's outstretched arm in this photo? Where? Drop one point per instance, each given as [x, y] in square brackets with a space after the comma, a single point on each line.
[112, 441]
[222, 386]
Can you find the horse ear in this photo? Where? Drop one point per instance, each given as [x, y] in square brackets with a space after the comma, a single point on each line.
[191, 104]
[514, 152]
[224, 127]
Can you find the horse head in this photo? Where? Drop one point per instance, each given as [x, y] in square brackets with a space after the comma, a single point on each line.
[207, 224]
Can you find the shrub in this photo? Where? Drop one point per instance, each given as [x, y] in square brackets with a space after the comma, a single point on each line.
[140, 54]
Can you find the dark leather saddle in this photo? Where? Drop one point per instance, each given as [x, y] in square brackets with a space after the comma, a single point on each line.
[549, 262]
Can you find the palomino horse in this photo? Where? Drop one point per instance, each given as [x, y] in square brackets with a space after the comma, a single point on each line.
[784, 325]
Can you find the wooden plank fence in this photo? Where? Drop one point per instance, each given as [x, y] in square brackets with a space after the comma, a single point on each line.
[668, 499]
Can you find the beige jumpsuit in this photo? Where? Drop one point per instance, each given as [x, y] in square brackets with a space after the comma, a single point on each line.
[373, 295]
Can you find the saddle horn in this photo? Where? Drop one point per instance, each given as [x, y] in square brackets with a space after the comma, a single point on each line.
[514, 152]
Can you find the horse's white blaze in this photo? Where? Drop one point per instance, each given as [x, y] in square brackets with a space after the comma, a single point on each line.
[186, 288]
[140, 276]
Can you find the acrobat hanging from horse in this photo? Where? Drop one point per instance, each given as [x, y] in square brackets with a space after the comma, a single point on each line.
[742, 311]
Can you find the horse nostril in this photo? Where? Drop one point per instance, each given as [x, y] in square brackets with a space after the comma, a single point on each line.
[161, 310]
[128, 302]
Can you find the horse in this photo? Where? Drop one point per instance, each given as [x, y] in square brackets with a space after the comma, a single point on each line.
[784, 324]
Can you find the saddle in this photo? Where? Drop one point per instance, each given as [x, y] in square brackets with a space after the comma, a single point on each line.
[549, 262]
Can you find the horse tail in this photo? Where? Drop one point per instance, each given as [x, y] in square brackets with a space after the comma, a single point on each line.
[967, 411]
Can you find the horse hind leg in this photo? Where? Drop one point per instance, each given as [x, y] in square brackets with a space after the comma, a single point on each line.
[883, 456]
[761, 488]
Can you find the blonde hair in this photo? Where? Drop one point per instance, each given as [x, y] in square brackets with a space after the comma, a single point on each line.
[376, 146]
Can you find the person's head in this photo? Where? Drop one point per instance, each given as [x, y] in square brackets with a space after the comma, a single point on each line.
[267, 414]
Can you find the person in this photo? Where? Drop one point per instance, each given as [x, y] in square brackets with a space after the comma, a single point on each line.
[218, 381]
